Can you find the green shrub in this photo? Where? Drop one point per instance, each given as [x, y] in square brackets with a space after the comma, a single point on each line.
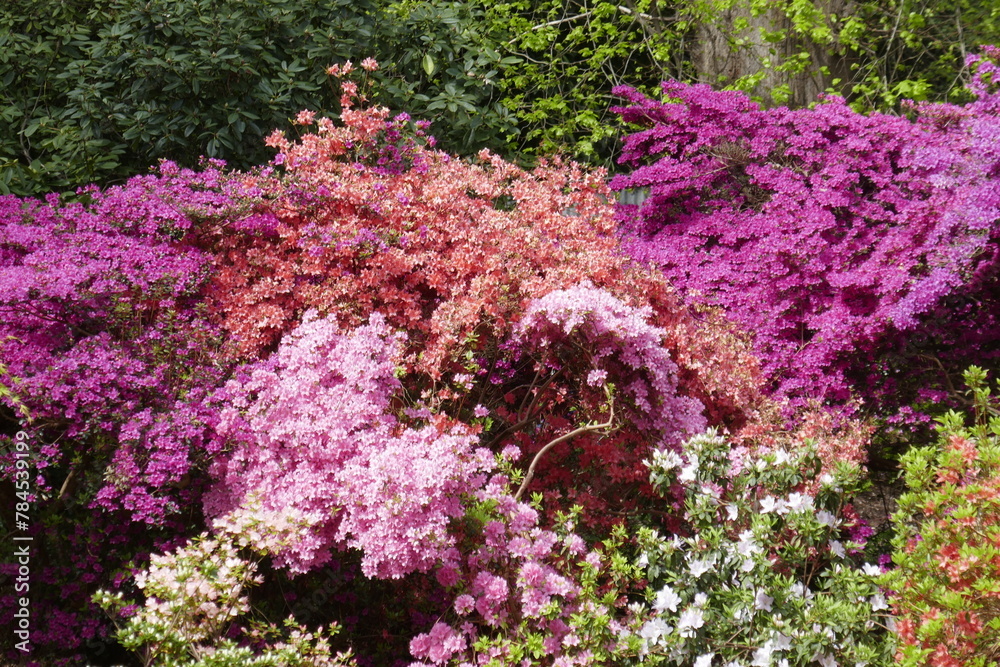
[946, 582]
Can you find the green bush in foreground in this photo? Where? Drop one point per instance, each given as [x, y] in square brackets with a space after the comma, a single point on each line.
[946, 585]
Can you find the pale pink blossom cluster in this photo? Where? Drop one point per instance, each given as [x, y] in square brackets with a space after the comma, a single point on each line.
[319, 452]
[262, 531]
[195, 591]
[400, 498]
[491, 592]
[194, 598]
[438, 645]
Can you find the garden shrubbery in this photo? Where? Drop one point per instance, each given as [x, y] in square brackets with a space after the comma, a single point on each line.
[100, 91]
[859, 250]
[437, 391]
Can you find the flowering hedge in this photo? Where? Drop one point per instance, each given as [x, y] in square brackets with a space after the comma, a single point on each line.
[945, 585]
[763, 574]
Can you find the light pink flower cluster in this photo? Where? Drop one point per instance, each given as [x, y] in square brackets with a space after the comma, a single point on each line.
[316, 442]
[623, 348]
[438, 645]
[194, 592]
[194, 598]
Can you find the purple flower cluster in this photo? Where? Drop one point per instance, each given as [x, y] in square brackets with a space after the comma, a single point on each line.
[114, 359]
[510, 588]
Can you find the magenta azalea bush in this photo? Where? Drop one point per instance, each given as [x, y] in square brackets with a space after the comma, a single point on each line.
[859, 250]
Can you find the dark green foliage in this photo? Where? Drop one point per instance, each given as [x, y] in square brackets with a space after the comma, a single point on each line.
[573, 53]
[915, 49]
[876, 53]
[442, 62]
[95, 91]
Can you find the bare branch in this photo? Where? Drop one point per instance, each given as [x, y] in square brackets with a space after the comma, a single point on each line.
[563, 438]
[558, 21]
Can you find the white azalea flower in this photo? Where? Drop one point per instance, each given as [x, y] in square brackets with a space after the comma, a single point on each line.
[762, 601]
[701, 566]
[666, 600]
[654, 629]
[762, 656]
[798, 502]
[746, 545]
[838, 549]
[800, 590]
[691, 619]
[826, 518]
[771, 504]
[666, 459]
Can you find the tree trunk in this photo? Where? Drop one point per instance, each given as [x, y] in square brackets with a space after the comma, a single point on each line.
[722, 55]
